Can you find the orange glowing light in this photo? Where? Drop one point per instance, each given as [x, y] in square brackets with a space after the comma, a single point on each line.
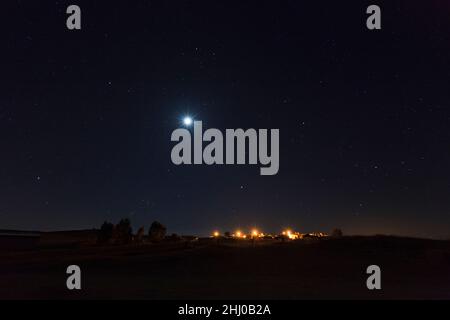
[290, 234]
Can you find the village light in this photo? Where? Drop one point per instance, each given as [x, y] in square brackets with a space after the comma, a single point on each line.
[254, 233]
[291, 235]
[216, 234]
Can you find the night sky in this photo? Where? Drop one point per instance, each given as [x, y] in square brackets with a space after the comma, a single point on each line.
[364, 116]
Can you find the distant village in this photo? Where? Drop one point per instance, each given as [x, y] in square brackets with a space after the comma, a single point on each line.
[122, 234]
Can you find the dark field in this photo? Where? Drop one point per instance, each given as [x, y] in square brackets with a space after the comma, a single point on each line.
[326, 269]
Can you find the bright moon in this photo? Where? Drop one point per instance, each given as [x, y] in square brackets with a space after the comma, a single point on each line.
[187, 121]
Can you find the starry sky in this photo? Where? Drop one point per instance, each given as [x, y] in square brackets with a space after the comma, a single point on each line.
[364, 116]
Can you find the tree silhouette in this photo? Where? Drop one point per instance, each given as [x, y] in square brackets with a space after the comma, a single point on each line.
[124, 232]
[337, 233]
[105, 233]
[157, 231]
[140, 235]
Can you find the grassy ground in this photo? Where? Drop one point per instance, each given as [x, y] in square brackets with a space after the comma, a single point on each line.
[329, 269]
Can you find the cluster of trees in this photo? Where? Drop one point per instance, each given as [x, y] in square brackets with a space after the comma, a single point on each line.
[122, 233]
[337, 233]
